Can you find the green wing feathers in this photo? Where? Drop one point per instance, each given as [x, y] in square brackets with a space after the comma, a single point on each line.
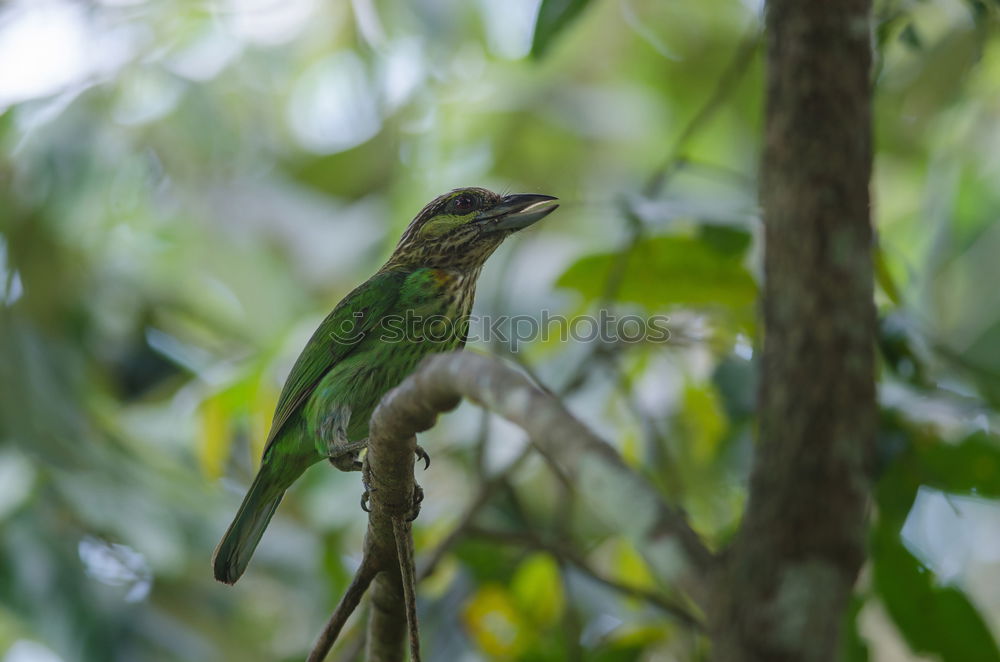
[357, 315]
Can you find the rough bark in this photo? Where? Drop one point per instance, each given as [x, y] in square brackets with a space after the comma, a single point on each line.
[391, 447]
[391, 482]
[782, 589]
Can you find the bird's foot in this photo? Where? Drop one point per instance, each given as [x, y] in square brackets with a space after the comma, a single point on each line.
[346, 461]
[346, 455]
[334, 444]
[422, 455]
[366, 475]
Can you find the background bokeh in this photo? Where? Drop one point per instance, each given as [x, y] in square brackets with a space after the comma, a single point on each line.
[188, 186]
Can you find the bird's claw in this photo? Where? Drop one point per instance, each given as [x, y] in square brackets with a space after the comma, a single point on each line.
[364, 501]
[422, 455]
[418, 492]
[366, 474]
[418, 498]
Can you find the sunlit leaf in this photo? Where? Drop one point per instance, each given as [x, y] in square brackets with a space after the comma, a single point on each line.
[671, 270]
[265, 399]
[494, 622]
[537, 589]
[630, 568]
[640, 635]
[215, 437]
[631, 448]
[704, 420]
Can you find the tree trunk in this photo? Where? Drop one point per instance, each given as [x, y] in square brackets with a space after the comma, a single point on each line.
[782, 588]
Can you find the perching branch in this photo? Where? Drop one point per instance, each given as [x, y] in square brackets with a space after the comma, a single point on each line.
[672, 548]
[388, 553]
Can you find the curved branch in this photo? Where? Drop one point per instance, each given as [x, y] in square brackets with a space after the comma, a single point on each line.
[391, 489]
[404, 550]
[348, 603]
[672, 548]
[674, 551]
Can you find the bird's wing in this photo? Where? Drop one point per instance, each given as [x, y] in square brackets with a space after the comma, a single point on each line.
[355, 317]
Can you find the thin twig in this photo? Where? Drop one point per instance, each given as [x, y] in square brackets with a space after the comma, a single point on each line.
[404, 550]
[348, 603]
[656, 527]
[567, 554]
[738, 64]
[486, 492]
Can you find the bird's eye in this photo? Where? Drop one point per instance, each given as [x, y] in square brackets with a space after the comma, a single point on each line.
[464, 202]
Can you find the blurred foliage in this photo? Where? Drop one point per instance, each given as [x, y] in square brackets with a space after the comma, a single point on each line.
[553, 17]
[189, 186]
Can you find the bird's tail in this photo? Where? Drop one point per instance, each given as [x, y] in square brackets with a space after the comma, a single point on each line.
[238, 544]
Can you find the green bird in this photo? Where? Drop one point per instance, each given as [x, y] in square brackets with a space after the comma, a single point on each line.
[417, 304]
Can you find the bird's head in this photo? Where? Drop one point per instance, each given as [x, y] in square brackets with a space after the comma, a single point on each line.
[460, 229]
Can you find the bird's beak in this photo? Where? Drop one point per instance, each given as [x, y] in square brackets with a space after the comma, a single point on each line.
[518, 211]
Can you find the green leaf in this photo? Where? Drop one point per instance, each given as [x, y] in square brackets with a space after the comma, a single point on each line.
[537, 590]
[553, 17]
[672, 270]
[934, 620]
[970, 467]
[725, 239]
[886, 27]
[911, 37]
[703, 421]
[493, 622]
